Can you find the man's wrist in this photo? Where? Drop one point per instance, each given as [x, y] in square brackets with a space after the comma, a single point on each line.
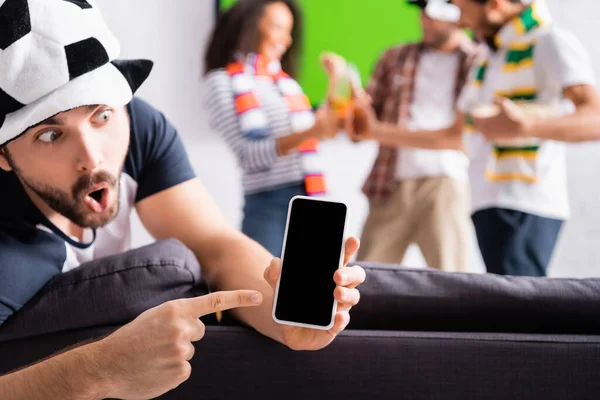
[379, 130]
[530, 127]
[92, 374]
[310, 133]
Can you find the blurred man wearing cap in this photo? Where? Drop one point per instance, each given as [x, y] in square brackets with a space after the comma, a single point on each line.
[78, 152]
[533, 91]
[420, 196]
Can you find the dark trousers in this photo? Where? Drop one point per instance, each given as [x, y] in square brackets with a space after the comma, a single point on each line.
[514, 242]
[265, 215]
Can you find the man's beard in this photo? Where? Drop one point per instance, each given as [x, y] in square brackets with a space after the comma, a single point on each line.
[440, 39]
[72, 206]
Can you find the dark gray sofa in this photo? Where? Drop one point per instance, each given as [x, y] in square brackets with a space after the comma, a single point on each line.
[417, 334]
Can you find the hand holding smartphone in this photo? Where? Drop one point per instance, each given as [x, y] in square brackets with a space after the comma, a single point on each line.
[313, 249]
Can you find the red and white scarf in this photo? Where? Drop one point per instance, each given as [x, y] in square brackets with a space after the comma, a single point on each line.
[253, 118]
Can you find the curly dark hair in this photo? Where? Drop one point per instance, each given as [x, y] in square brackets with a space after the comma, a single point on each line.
[237, 29]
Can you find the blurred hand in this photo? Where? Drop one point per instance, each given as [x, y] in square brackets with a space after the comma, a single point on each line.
[360, 121]
[327, 123]
[508, 122]
[333, 64]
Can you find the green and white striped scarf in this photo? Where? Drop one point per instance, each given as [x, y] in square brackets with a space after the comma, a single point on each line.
[514, 161]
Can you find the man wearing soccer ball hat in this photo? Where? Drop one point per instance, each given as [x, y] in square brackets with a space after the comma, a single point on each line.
[77, 154]
[420, 196]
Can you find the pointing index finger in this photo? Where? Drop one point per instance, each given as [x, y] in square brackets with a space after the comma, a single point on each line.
[221, 301]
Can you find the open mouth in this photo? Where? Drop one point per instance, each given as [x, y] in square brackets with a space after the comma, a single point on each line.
[97, 198]
[97, 195]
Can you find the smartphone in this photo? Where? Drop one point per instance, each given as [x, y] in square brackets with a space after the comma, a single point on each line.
[313, 249]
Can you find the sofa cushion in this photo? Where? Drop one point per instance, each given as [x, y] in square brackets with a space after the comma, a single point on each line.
[395, 298]
[109, 291]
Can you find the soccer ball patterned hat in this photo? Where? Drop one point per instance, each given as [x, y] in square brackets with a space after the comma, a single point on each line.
[56, 55]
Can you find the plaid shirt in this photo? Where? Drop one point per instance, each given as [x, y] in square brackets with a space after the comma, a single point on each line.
[392, 87]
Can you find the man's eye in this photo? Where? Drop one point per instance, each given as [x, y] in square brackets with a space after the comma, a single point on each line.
[104, 116]
[48, 136]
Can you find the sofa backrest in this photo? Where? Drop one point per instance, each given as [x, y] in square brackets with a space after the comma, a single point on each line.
[395, 298]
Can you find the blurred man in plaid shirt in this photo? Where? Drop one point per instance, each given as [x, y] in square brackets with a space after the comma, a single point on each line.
[416, 195]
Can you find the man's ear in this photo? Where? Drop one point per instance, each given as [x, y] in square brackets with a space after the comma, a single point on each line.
[4, 160]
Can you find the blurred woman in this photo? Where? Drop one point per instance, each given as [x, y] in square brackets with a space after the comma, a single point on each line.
[262, 113]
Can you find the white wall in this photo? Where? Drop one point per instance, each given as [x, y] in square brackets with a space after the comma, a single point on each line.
[174, 37]
[579, 250]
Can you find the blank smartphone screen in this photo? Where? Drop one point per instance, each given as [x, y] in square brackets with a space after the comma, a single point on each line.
[311, 256]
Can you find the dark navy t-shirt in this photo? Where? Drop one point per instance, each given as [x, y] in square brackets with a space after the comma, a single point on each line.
[33, 250]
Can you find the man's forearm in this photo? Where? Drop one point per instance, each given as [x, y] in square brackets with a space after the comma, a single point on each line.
[391, 135]
[229, 259]
[65, 376]
[240, 263]
[581, 126]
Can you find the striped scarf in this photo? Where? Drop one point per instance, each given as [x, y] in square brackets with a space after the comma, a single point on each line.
[516, 160]
[253, 119]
